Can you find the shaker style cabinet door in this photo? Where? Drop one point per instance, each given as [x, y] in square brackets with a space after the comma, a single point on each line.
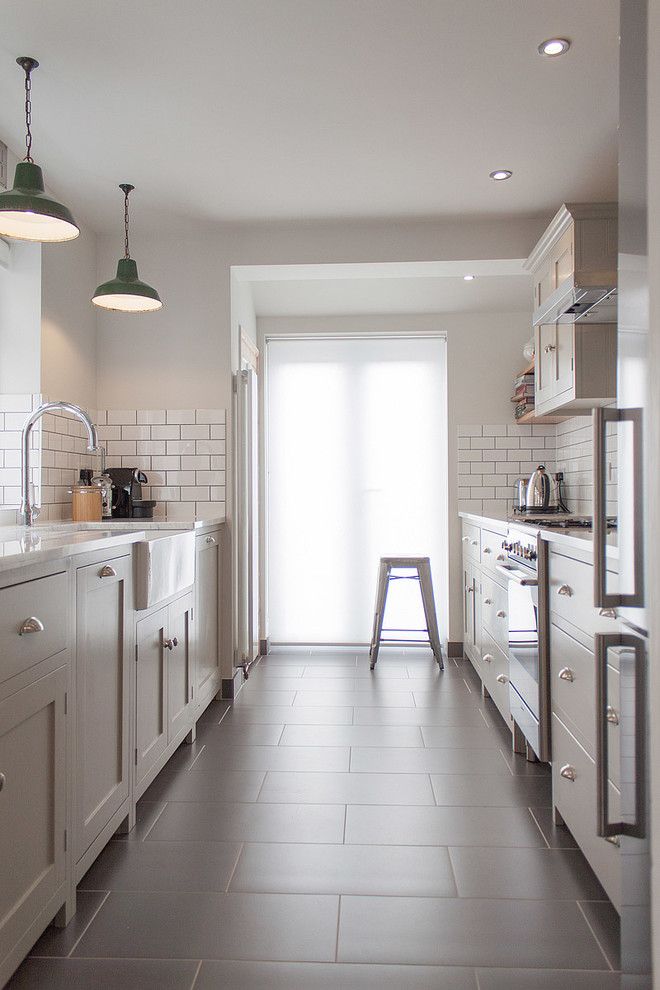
[207, 621]
[151, 691]
[32, 803]
[179, 666]
[102, 695]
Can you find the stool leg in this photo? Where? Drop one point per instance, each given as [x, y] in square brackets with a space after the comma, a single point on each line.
[379, 613]
[428, 601]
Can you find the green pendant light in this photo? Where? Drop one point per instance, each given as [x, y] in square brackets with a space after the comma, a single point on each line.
[125, 292]
[27, 213]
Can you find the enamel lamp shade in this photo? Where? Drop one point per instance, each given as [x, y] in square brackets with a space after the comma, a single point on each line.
[27, 212]
[126, 292]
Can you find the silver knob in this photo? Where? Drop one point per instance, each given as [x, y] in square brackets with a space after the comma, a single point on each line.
[548, 348]
[501, 614]
[564, 589]
[107, 571]
[470, 591]
[501, 556]
[612, 715]
[210, 539]
[487, 550]
[169, 644]
[488, 601]
[608, 613]
[3, 780]
[501, 678]
[614, 839]
[566, 674]
[488, 657]
[568, 772]
[475, 543]
[465, 539]
[31, 625]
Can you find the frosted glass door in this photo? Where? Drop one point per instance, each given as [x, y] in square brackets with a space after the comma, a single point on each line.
[357, 455]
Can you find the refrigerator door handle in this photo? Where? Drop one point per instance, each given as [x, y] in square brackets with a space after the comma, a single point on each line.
[603, 598]
[637, 826]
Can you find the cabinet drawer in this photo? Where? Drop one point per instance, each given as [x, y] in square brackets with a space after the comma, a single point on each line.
[471, 542]
[207, 540]
[575, 799]
[494, 614]
[572, 594]
[495, 664]
[492, 553]
[44, 600]
[573, 685]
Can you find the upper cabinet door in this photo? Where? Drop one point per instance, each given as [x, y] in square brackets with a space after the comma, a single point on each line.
[565, 359]
[103, 642]
[32, 802]
[546, 362]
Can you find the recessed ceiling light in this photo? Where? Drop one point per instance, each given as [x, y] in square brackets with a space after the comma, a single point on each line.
[500, 174]
[469, 278]
[554, 47]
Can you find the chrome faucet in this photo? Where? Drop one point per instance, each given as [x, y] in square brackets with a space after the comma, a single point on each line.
[28, 510]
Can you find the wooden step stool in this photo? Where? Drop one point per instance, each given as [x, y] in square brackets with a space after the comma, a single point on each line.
[422, 565]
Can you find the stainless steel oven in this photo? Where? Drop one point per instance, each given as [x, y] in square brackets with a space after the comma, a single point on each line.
[529, 681]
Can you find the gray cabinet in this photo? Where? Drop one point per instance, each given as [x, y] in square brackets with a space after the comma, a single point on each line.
[208, 590]
[103, 641]
[575, 366]
[164, 686]
[33, 791]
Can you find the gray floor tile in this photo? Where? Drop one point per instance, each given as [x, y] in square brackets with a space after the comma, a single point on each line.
[277, 715]
[367, 699]
[418, 716]
[104, 974]
[529, 979]
[163, 866]
[465, 932]
[460, 737]
[606, 926]
[214, 712]
[273, 758]
[263, 696]
[556, 836]
[320, 976]
[544, 874]
[352, 735]
[221, 785]
[491, 790]
[338, 869]
[214, 926]
[348, 788]
[60, 941]
[393, 760]
[441, 826]
[187, 821]
[229, 734]
[146, 813]
[522, 766]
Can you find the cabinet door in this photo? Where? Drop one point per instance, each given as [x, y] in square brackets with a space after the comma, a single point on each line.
[151, 690]
[545, 364]
[102, 695]
[207, 618]
[565, 343]
[179, 666]
[32, 803]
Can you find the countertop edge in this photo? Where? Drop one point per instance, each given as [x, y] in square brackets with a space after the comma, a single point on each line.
[566, 539]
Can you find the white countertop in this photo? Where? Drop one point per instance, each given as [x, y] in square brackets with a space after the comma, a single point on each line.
[21, 545]
[577, 539]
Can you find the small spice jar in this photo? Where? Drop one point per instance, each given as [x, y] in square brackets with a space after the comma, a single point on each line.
[86, 503]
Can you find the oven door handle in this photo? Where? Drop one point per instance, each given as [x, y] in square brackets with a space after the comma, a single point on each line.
[518, 576]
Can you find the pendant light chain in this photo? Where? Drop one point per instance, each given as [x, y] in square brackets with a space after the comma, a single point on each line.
[127, 252]
[28, 115]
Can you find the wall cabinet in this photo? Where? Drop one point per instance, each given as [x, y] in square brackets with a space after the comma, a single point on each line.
[102, 674]
[208, 592]
[575, 366]
[163, 686]
[33, 791]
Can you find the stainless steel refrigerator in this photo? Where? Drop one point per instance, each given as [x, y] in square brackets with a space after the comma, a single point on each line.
[622, 656]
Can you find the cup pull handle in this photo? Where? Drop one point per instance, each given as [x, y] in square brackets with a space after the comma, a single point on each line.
[568, 772]
[107, 571]
[501, 679]
[566, 590]
[31, 625]
[566, 674]
[488, 657]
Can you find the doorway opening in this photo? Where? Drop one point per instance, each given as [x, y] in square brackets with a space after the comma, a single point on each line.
[356, 444]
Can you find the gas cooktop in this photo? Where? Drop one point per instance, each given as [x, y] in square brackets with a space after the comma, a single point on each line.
[563, 522]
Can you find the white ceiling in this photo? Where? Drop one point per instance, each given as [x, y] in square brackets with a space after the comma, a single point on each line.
[253, 109]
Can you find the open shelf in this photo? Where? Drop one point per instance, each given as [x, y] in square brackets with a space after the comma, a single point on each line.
[530, 416]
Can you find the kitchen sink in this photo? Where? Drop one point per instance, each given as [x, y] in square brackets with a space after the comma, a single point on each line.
[165, 565]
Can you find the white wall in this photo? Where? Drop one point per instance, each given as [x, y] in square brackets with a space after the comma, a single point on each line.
[483, 352]
[68, 321]
[20, 320]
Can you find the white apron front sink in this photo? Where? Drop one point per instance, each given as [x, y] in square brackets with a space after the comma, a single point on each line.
[165, 566]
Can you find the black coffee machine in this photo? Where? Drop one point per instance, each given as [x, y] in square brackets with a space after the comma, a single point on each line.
[127, 501]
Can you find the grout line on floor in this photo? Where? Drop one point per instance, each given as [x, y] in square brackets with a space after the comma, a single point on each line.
[279, 738]
[476, 979]
[192, 985]
[338, 924]
[224, 714]
[484, 718]
[343, 837]
[536, 822]
[261, 787]
[203, 747]
[435, 796]
[154, 822]
[597, 940]
[467, 685]
[77, 942]
[234, 867]
[508, 765]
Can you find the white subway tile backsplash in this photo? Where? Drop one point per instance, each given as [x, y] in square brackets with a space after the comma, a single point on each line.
[218, 433]
[196, 462]
[195, 432]
[121, 417]
[165, 432]
[151, 417]
[210, 415]
[470, 431]
[135, 433]
[180, 415]
[180, 446]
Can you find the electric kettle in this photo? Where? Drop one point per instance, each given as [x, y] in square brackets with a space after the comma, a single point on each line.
[539, 488]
